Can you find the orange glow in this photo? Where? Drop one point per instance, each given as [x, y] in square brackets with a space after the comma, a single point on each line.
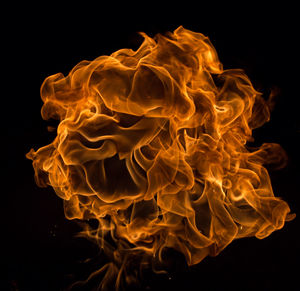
[152, 144]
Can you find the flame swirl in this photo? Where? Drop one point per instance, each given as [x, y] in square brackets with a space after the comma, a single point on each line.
[152, 144]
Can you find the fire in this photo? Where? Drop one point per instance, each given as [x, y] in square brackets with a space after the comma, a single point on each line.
[152, 144]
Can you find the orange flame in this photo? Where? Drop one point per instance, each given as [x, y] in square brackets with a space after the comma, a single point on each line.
[153, 145]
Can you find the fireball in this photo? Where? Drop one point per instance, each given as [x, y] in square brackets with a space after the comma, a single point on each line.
[152, 144]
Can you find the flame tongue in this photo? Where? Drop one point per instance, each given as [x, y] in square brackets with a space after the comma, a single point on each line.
[152, 144]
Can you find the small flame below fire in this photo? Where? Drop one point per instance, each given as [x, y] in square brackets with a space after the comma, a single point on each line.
[152, 144]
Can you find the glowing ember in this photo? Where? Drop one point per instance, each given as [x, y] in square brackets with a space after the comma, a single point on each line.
[152, 145]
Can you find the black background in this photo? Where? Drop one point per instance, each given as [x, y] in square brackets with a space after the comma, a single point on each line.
[40, 251]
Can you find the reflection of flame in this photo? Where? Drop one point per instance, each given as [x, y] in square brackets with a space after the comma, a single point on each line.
[152, 144]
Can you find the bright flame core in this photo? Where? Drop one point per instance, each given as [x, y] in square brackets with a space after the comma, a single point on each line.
[152, 144]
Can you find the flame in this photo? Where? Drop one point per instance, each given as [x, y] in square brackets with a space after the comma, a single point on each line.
[152, 144]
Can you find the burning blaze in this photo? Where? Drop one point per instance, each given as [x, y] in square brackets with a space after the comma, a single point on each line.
[152, 144]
